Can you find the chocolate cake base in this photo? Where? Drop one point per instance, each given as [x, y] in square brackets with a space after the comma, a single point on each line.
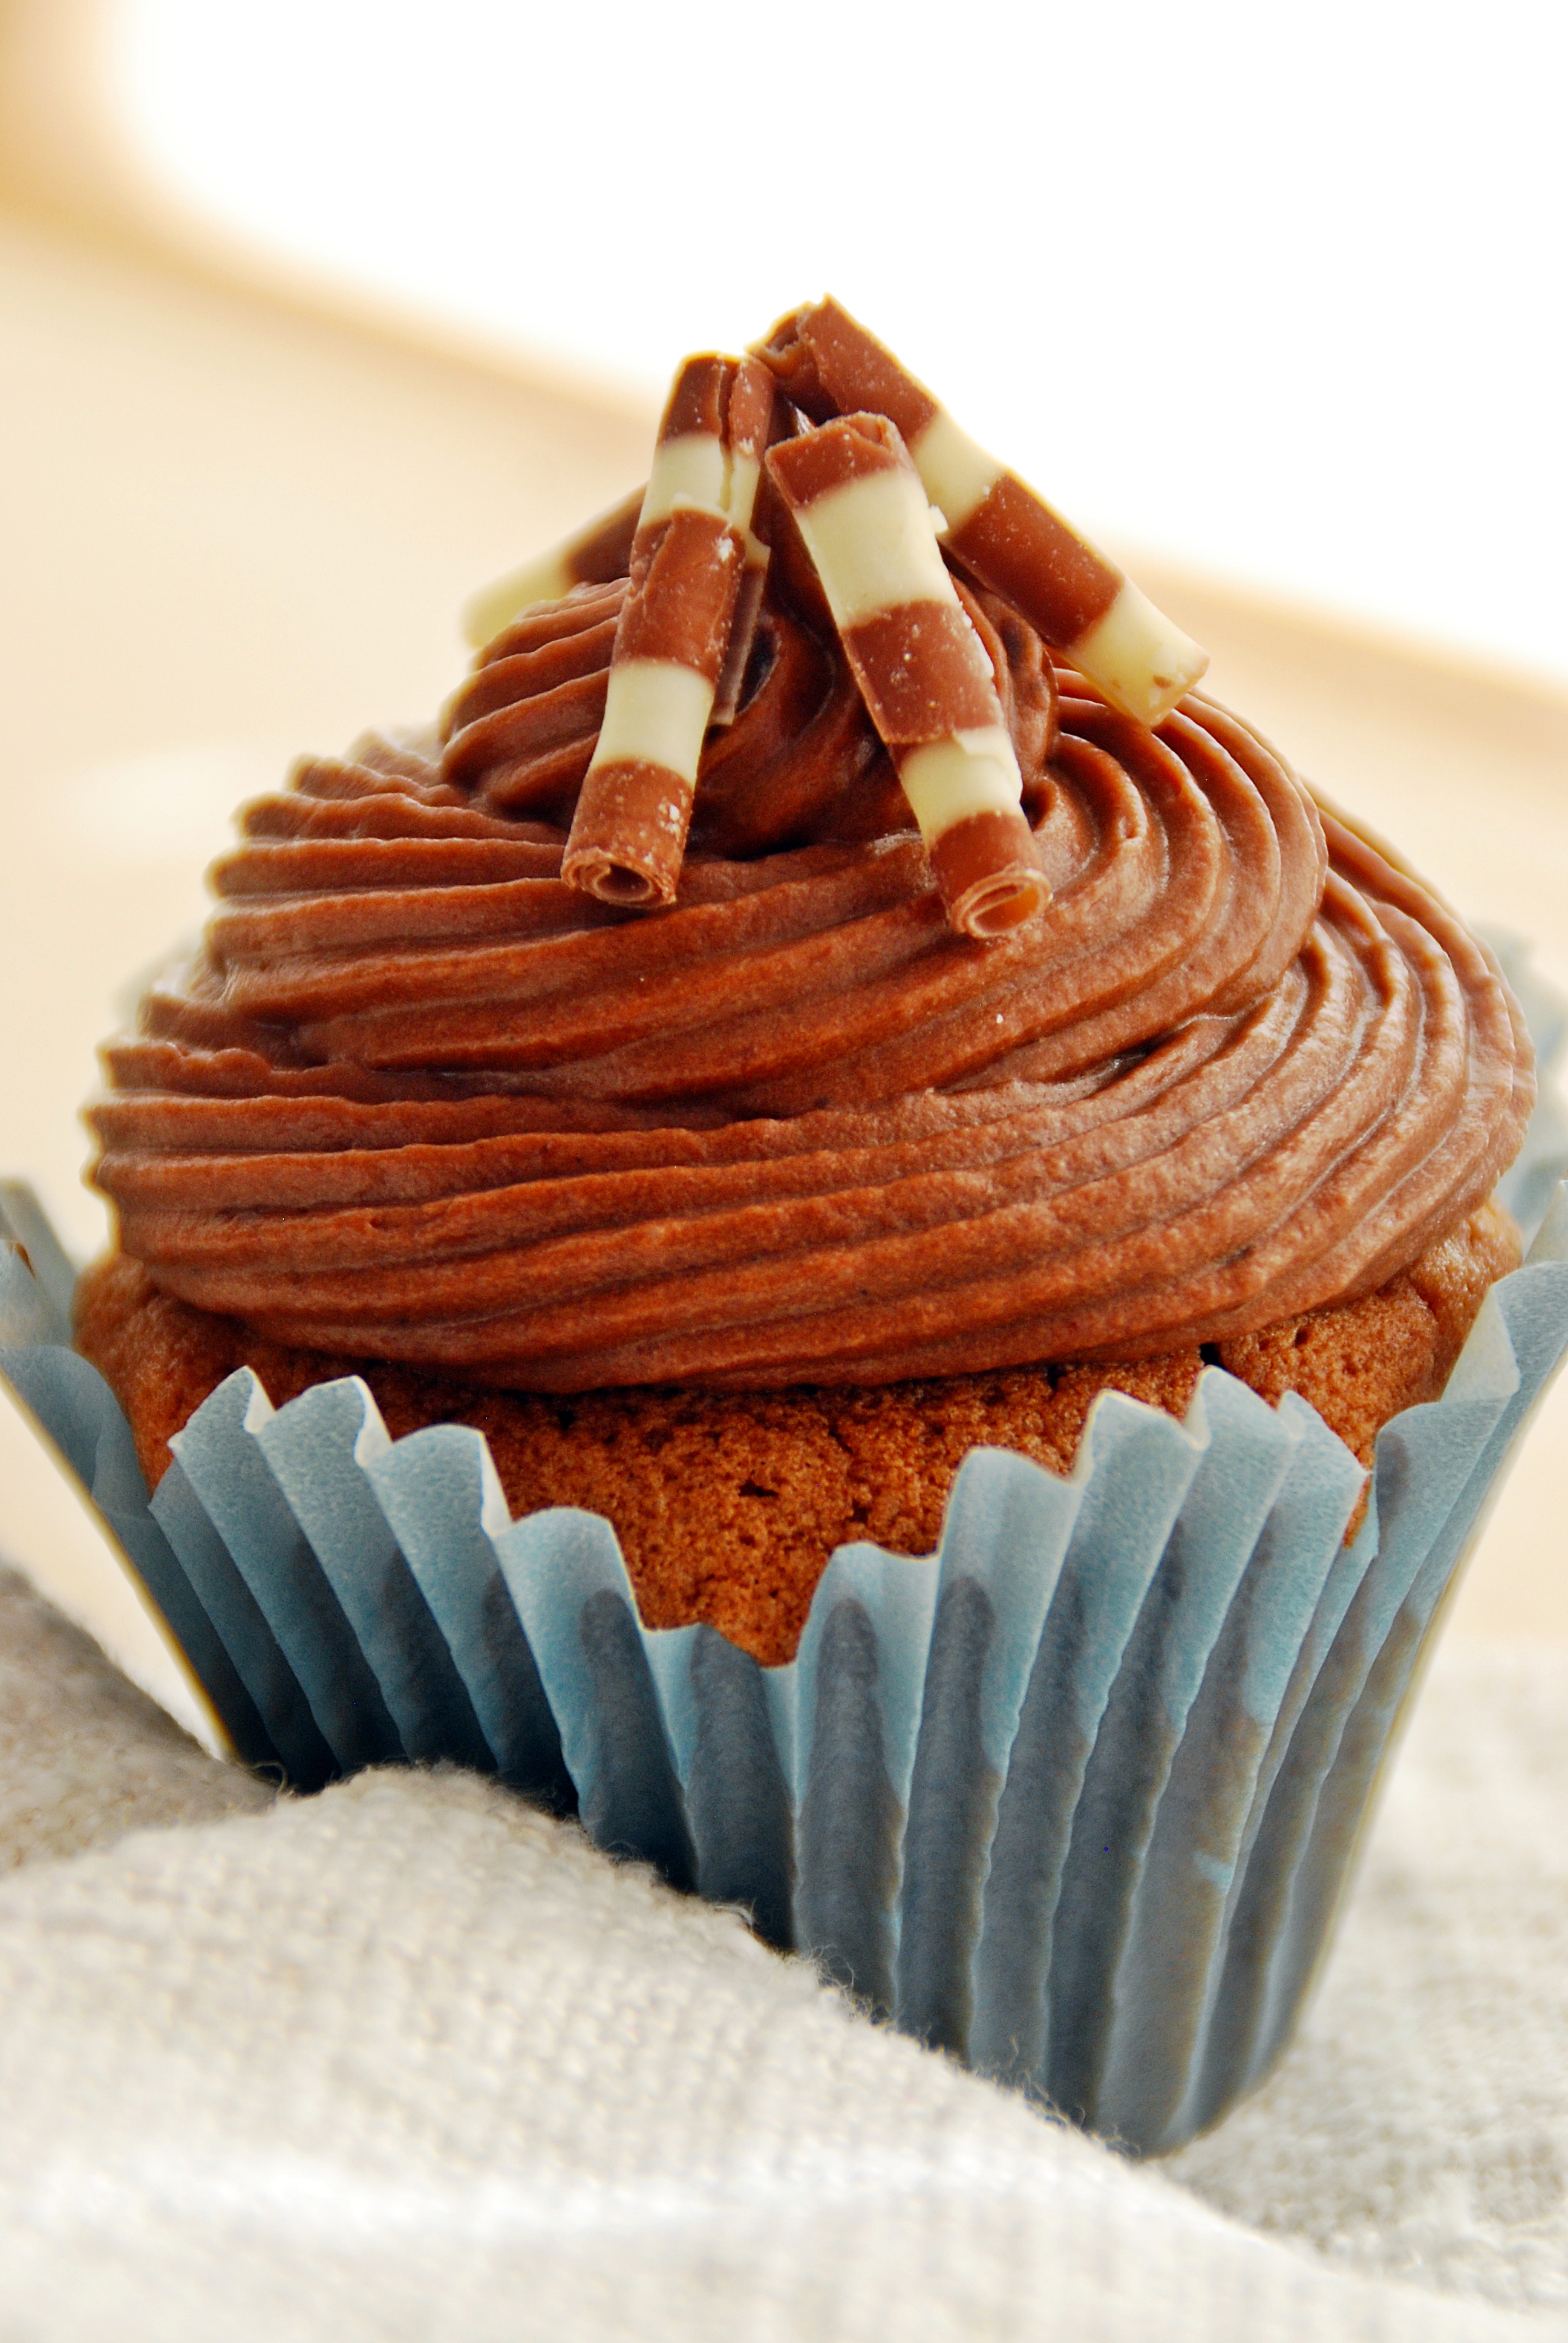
[728, 1505]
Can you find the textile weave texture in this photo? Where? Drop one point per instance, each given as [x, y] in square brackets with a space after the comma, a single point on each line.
[410, 2060]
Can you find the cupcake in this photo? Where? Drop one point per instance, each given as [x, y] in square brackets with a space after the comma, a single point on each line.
[834, 1051]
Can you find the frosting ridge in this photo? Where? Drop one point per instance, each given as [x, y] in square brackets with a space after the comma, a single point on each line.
[417, 1098]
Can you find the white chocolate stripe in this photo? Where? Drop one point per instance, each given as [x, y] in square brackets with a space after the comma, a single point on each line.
[496, 605]
[693, 467]
[1141, 662]
[873, 547]
[955, 472]
[595, 554]
[949, 782]
[740, 490]
[655, 713]
[688, 469]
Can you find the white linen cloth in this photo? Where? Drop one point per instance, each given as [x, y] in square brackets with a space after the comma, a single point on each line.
[410, 2060]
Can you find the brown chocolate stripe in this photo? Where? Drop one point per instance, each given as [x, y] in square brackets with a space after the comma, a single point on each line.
[629, 835]
[921, 672]
[605, 551]
[697, 396]
[681, 608]
[818, 462]
[748, 413]
[829, 364]
[986, 870]
[1017, 546]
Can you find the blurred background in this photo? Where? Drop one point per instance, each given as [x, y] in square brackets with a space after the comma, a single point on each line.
[313, 317]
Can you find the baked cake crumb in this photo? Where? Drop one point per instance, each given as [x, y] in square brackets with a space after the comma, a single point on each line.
[728, 1505]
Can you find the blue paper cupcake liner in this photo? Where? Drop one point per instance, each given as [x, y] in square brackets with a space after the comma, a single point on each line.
[1075, 1799]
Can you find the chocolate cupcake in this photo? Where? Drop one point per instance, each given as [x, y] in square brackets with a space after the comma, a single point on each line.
[770, 1044]
[751, 1321]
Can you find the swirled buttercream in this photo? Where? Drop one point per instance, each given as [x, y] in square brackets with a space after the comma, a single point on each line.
[417, 1099]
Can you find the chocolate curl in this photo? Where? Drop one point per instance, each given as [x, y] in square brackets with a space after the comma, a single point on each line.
[628, 832]
[688, 558]
[749, 427]
[742, 633]
[922, 670]
[1006, 535]
[595, 556]
[711, 440]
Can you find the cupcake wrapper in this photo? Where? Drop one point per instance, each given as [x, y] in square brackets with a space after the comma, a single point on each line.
[1075, 1800]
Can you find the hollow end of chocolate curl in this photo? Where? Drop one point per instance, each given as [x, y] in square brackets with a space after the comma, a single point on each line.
[993, 907]
[986, 872]
[624, 884]
[627, 838]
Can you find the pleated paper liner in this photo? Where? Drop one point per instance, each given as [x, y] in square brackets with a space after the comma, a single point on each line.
[1075, 1799]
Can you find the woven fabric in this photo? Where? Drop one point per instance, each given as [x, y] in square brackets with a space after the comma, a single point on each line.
[410, 2060]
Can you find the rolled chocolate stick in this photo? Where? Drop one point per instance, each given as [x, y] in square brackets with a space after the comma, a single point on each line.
[686, 561]
[709, 450]
[594, 555]
[921, 668]
[1008, 536]
[749, 427]
[690, 462]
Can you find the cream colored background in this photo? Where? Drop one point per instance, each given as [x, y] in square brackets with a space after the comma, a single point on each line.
[236, 526]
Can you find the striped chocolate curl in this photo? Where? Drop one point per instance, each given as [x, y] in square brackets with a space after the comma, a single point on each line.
[1001, 530]
[691, 552]
[922, 672]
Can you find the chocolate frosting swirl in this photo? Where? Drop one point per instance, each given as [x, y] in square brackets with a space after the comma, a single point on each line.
[417, 1099]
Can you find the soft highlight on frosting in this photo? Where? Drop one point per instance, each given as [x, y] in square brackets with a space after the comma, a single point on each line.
[417, 1099]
